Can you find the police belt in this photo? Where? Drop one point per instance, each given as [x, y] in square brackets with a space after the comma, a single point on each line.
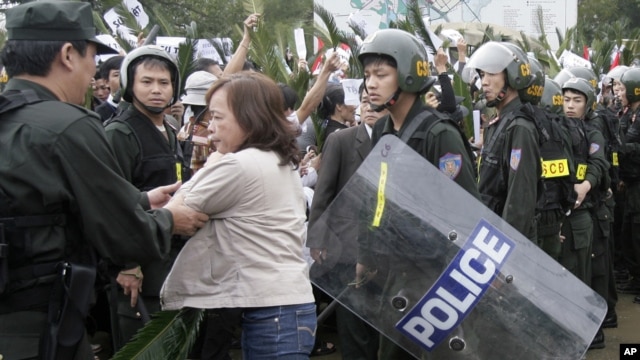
[33, 221]
[32, 299]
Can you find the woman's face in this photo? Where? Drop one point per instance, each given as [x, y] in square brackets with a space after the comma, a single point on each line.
[226, 133]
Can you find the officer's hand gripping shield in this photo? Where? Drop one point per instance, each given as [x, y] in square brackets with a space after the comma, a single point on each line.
[446, 278]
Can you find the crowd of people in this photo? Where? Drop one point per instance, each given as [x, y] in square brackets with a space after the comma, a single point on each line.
[155, 199]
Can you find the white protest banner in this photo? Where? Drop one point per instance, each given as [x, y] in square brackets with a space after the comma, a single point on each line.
[113, 20]
[351, 93]
[136, 9]
[116, 24]
[170, 44]
[356, 20]
[301, 46]
[111, 42]
[568, 59]
[205, 49]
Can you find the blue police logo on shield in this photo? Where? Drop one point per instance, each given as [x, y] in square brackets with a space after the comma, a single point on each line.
[459, 288]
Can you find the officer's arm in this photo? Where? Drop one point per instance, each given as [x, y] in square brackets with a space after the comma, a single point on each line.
[597, 164]
[447, 141]
[524, 173]
[105, 202]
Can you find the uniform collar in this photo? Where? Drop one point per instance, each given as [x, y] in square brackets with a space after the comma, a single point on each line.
[22, 84]
[415, 109]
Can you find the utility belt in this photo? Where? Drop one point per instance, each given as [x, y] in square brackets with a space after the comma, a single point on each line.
[62, 289]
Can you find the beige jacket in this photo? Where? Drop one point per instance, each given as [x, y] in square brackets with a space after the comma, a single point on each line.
[249, 254]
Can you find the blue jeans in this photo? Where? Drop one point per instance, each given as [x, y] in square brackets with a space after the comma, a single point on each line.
[279, 332]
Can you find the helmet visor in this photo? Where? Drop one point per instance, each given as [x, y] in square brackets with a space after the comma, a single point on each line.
[491, 58]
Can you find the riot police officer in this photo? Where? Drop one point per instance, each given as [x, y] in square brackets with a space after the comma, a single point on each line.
[148, 151]
[397, 73]
[585, 248]
[62, 194]
[509, 165]
[630, 179]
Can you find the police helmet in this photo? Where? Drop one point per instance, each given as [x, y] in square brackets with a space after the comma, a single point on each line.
[409, 54]
[494, 57]
[552, 99]
[631, 81]
[615, 74]
[584, 87]
[134, 58]
[579, 72]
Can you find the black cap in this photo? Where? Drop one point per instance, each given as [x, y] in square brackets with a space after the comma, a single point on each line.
[54, 20]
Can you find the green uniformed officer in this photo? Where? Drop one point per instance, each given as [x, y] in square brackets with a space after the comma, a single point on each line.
[579, 227]
[62, 194]
[630, 179]
[396, 75]
[591, 168]
[557, 159]
[509, 176]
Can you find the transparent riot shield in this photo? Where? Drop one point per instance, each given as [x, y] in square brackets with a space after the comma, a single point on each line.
[447, 278]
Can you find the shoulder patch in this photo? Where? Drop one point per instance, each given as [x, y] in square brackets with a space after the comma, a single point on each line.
[593, 148]
[450, 165]
[514, 161]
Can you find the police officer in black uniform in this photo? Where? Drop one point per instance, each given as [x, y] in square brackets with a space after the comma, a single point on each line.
[62, 194]
[148, 151]
[630, 180]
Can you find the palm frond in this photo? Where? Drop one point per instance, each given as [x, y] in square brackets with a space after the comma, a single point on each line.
[169, 335]
[330, 34]
[159, 18]
[414, 15]
[253, 6]
[99, 23]
[460, 88]
[267, 55]
[186, 54]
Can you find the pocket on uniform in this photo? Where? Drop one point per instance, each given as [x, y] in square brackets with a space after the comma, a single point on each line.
[307, 325]
[603, 221]
[582, 230]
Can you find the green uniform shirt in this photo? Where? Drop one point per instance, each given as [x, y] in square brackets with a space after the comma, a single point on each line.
[56, 158]
[439, 146]
[515, 195]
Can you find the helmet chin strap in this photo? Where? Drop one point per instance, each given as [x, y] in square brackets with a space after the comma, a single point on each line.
[498, 98]
[390, 102]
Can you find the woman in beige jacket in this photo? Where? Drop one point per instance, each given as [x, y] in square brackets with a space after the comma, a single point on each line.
[249, 255]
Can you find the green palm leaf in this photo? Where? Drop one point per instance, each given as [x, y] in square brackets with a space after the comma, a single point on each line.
[186, 52]
[169, 335]
[460, 88]
[253, 6]
[330, 34]
[414, 15]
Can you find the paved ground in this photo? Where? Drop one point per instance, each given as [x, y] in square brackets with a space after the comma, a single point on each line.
[628, 331]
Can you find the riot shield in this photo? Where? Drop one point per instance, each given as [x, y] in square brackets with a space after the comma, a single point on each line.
[447, 278]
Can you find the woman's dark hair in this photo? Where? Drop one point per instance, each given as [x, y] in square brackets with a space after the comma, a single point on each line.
[290, 96]
[256, 102]
[333, 96]
[34, 57]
